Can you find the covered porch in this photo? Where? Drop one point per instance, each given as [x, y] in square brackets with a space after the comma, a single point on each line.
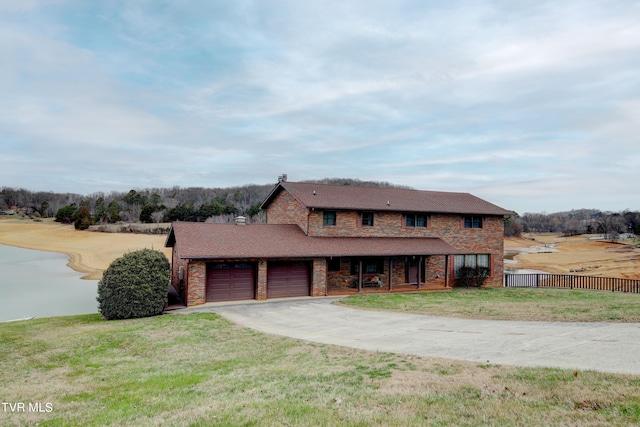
[385, 274]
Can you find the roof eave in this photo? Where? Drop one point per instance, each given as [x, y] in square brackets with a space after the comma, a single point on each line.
[272, 195]
[327, 255]
[267, 200]
[171, 238]
[395, 209]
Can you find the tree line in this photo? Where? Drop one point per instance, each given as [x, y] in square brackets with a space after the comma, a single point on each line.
[154, 205]
[201, 204]
[580, 221]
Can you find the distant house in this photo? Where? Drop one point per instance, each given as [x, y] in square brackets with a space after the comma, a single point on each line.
[335, 240]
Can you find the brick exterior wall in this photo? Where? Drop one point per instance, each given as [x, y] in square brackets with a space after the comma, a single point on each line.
[261, 291]
[197, 283]
[349, 224]
[398, 273]
[285, 209]
[485, 240]
[319, 277]
[341, 278]
[436, 270]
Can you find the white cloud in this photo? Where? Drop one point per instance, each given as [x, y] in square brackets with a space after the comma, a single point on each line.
[528, 103]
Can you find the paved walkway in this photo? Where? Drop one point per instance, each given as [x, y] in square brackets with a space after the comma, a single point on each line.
[608, 347]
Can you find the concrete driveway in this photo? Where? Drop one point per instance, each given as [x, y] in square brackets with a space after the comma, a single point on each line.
[608, 347]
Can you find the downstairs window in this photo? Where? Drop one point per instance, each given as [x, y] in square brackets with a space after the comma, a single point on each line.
[474, 261]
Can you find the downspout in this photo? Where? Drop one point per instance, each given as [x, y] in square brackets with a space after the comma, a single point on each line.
[446, 271]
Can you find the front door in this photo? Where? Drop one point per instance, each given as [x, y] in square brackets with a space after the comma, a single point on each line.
[412, 271]
[415, 269]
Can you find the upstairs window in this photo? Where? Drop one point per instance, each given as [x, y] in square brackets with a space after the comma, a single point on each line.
[367, 219]
[416, 220]
[329, 218]
[472, 221]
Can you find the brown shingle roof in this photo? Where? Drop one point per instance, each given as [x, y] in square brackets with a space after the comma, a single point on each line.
[323, 196]
[225, 241]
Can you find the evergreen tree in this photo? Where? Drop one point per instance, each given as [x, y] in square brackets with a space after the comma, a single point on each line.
[67, 214]
[83, 219]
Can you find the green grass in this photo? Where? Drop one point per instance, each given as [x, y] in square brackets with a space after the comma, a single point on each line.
[200, 370]
[558, 305]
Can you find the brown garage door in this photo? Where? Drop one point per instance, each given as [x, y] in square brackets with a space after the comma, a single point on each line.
[230, 282]
[290, 279]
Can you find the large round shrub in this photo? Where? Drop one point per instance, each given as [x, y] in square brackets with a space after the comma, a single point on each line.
[134, 285]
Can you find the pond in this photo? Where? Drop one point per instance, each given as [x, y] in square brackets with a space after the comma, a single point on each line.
[511, 264]
[523, 271]
[39, 284]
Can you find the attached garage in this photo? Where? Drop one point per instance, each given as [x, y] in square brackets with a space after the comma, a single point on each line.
[287, 279]
[229, 262]
[230, 282]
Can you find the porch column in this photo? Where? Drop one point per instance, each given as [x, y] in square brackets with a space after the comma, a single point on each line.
[319, 277]
[390, 274]
[261, 291]
[360, 276]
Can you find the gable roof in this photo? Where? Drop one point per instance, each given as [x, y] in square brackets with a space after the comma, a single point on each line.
[343, 197]
[227, 241]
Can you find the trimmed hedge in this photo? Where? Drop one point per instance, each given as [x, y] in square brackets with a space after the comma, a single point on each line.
[467, 276]
[134, 285]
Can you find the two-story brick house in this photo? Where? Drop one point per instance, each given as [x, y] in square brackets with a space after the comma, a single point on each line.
[332, 240]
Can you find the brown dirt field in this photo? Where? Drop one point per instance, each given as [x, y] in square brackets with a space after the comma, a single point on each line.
[89, 252]
[576, 255]
[92, 252]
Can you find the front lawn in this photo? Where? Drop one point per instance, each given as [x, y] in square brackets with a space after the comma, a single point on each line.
[201, 370]
[557, 305]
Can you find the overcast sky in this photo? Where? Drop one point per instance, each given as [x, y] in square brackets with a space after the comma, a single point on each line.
[532, 105]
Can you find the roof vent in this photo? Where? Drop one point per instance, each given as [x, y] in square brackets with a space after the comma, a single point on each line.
[388, 203]
[241, 220]
[282, 178]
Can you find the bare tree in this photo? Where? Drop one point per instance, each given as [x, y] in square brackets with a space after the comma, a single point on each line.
[610, 225]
